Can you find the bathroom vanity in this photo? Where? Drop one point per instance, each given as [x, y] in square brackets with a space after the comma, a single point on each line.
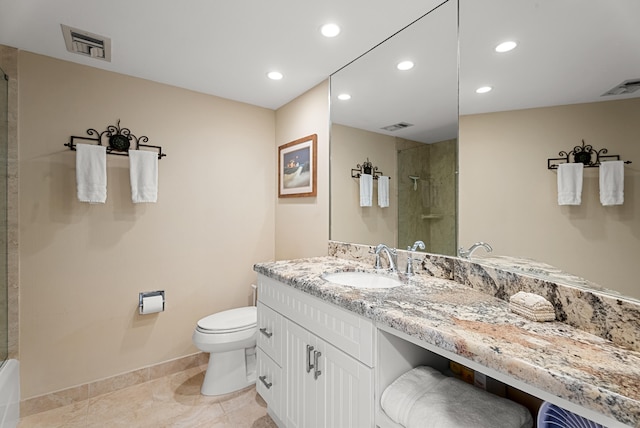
[326, 352]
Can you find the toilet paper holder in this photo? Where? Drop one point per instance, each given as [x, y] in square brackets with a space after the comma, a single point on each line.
[147, 294]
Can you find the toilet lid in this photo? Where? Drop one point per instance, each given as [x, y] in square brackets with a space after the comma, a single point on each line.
[229, 321]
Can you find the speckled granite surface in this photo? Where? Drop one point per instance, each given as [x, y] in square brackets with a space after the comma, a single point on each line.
[569, 363]
[577, 302]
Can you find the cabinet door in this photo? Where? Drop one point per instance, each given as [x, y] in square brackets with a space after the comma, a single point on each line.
[299, 406]
[344, 390]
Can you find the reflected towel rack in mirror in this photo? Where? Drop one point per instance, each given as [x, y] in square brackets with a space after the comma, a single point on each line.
[118, 140]
[366, 168]
[582, 154]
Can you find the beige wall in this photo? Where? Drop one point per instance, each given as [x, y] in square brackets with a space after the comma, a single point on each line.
[508, 197]
[302, 224]
[350, 221]
[83, 265]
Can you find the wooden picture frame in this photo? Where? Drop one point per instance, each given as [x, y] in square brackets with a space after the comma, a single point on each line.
[297, 168]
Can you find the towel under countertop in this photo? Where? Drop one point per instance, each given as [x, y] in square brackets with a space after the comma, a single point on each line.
[425, 398]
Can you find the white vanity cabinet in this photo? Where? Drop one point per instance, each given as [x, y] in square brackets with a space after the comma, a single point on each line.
[327, 353]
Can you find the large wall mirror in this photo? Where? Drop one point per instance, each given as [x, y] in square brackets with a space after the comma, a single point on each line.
[546, 97]
[405, 122]
[548, 94]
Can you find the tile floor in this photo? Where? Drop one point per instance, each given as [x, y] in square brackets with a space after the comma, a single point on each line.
[171, 401]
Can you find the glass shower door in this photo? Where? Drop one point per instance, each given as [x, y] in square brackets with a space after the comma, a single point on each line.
[4, 137]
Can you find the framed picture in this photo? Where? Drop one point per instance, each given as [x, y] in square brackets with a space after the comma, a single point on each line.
[297, 168]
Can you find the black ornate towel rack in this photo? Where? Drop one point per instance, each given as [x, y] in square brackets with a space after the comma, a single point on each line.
[366, 168]
[118, 140]
[583, 154]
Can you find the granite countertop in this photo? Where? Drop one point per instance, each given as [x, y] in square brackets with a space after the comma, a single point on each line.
[571, 364]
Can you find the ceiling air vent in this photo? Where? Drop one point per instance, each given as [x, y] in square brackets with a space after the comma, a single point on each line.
[87, 44]
[626, 87]
[397, 126]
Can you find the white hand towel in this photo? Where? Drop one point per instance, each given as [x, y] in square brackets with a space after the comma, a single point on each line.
[366, 190]
[383, 191]
[612, 183]
[143, 172]
[91, 173]
[570, 183]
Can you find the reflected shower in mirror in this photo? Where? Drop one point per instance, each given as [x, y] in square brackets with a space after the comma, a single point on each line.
[548, 94]
[403, 118]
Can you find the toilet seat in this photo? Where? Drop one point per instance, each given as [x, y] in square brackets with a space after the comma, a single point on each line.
[229, 321]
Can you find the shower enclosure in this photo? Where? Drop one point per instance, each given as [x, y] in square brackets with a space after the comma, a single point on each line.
[427, 196]
[4, 131]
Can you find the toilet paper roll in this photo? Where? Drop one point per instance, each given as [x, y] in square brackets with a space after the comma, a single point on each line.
[151, 305]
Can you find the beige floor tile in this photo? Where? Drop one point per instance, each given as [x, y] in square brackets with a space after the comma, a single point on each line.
[172, 401]
[71, 416]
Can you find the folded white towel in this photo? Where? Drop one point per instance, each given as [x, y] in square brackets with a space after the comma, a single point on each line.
[399, 397]
[91, 173]
[366, 190]
[570, 183]
[143, 171]
[383, 191]
[612, 183]
[437, 401]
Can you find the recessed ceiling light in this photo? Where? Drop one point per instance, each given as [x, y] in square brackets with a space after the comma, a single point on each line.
[405, 65]
[330, 30]
[274, 75]
[506, 46]
[483, 89]
[344, 97]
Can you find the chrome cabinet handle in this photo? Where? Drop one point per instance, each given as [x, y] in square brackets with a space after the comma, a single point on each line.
[265, 332]
[309, 365]
[268, 385]
[316, 372]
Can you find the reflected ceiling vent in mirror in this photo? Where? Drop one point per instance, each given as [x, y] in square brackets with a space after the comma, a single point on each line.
[397, 126]
[626, 87]
[86, 43]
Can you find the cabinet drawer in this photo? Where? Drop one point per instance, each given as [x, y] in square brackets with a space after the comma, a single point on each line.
[347, 331]
[270, 332]
[270, 384]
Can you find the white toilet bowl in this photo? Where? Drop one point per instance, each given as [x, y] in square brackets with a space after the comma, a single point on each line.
[230, 339]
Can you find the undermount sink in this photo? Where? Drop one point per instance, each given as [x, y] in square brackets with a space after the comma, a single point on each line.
[363, 279]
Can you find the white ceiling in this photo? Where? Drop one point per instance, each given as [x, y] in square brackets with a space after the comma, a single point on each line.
[223, 48]
[570, 51]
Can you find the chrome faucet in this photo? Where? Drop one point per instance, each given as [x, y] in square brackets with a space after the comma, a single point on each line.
[466, 254]
[391, 255]
[416, 245]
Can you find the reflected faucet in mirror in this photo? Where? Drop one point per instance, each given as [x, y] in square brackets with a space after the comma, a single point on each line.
[391, 256]
[466, 254]
[416, 245]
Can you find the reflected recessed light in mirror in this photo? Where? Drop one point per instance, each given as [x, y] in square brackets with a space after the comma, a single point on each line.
[405, 65]
[483, 89]
[274, 75]
[344, 97]
[506, 46]
[330, 30]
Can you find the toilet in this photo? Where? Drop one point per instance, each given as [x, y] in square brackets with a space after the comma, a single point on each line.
[230, 339]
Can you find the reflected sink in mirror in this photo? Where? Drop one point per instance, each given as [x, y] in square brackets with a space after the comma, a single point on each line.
[363, 279]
